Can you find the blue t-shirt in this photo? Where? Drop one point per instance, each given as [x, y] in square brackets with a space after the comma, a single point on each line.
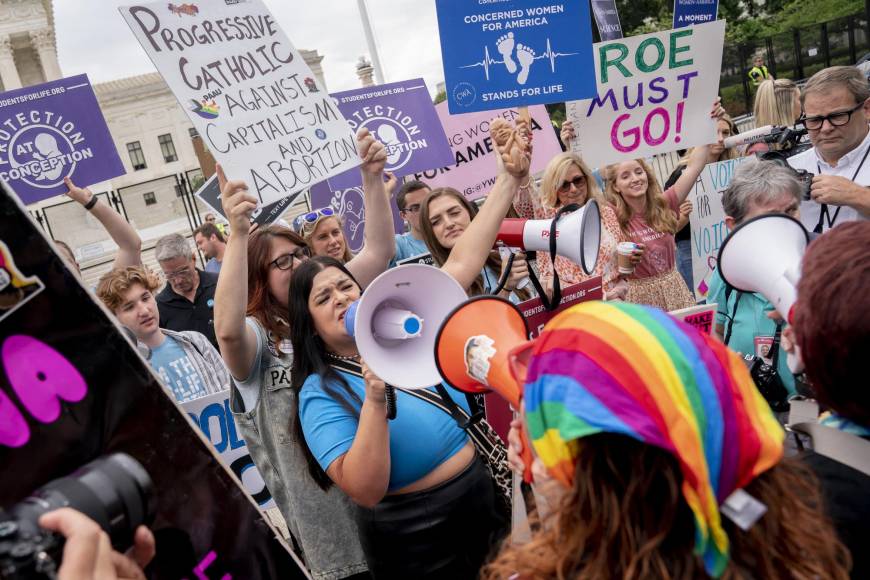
[753, 331]
[213, 266]
[422, 437]
[171, 363]
[407, 246]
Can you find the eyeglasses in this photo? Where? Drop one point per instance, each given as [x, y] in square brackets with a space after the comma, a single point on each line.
[413, 208]
[285, 261]
[183, 273]
[837, 119]
[576, 182]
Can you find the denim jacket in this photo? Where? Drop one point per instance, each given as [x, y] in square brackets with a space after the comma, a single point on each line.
[321, 522]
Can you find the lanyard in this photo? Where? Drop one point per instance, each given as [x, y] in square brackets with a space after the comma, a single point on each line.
[824, 215]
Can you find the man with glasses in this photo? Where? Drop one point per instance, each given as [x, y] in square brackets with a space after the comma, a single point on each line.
[409, 198]
[187, 301]
[836, 109]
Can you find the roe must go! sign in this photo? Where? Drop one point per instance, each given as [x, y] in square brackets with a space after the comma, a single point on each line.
[248, 92]
[655, 93]
[514, 52]
[52, 131]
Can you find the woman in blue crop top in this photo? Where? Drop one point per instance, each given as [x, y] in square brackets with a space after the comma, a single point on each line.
[426, 501]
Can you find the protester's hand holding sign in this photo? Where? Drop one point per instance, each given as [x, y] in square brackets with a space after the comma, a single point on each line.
[567, 134]
[237, 202]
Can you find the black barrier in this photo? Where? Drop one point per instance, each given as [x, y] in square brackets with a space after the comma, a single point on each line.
[72, 389]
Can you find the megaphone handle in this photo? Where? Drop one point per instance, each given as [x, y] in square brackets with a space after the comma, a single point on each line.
[390, 395]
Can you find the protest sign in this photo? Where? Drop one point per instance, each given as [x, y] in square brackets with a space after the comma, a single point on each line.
[537, 316]
[210, 194]
[520, 52]
[607, 19]
[73, 388]
[426, 259]
[475, 168]
[248, 92]
[402, 117]
[655, 93]
[212, 414]
[52, 131]
[701, 316]
[348, 203]
[688, 12]
[707, 220]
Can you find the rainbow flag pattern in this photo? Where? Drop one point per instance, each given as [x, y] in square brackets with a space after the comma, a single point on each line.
[634, 370]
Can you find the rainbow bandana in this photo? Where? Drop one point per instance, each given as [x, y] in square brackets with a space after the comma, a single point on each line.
[633, 370]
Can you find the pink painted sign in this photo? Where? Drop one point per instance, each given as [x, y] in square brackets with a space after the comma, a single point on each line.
[475, 169]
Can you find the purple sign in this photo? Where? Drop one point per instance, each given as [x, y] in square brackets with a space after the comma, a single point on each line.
[349, 205]
[402, 117]
[52, 131]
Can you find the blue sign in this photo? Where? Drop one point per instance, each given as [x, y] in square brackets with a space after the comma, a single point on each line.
[515, 53]
[52, 131]
[402, 117]
[688, 12]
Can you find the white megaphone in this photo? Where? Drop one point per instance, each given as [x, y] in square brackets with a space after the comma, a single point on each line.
[764, 255]
[396, 321]
[578, 235]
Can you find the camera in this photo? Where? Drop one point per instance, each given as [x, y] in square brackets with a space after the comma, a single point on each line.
[790, 139]
[768, 382]
[115, 491]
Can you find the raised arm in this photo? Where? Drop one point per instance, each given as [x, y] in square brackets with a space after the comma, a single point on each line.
[513, 154]
[697, 161]
[380, 245]
[237, 341]
[123, 234]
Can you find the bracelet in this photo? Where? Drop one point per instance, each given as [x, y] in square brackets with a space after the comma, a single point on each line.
[93, 201]
[527, 184]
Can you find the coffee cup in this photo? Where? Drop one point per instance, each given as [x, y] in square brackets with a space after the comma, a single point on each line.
[625, 252]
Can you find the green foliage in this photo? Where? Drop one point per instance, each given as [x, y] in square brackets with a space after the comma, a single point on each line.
[441, 96]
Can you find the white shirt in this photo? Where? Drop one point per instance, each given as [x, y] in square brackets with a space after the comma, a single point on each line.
[811, 161]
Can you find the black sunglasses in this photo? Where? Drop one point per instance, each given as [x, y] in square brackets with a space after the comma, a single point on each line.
[576, 182]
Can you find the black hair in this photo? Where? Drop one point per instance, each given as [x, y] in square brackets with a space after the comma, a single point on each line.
[309, 354]
[408, 187]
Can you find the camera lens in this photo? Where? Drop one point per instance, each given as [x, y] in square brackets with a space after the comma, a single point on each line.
[115, 491]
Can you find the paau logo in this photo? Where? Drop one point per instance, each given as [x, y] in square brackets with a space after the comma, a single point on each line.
[205, 109]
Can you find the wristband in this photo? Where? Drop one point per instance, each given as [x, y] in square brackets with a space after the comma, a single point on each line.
[93, 201]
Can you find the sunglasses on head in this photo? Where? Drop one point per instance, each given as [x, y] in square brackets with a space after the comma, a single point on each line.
[314, 215]
[576, 182]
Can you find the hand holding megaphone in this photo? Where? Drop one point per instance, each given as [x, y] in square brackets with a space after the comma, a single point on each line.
[518, 278]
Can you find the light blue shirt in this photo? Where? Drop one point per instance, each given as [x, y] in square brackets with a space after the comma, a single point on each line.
[213, 266]
[407, 246]
[176, 371]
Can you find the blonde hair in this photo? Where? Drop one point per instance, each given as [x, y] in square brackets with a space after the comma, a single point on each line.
[308, 229]
[554, 176]
[658, 215]
[113, 285]
[774, 103]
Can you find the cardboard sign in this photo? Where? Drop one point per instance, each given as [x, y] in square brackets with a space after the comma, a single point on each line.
[212, 414]
[607, 19]
[537, 316]
[688, 12]
[514, 52]
[348, 203]
[73, 388]
[707, 220]
[51, 131]
[701, 317]
[402, 117]
[475, 168]
[248, 92]
[210, 194]
[655, 93]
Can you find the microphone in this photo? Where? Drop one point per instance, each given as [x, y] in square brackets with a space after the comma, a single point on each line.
[750, 137]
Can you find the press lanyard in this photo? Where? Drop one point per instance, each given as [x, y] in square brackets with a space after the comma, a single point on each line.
[824, 216]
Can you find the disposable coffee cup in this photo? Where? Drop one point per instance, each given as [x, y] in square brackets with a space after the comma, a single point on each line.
[625, 251]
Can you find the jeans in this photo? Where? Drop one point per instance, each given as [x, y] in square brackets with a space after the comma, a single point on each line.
[684, 262]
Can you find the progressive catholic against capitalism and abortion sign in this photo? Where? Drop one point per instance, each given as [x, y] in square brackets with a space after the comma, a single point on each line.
[249, 93]
[52, 131]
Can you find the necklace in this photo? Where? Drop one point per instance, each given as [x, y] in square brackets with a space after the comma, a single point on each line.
[342, 357]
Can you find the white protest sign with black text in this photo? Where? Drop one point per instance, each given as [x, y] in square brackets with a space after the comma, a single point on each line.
[655, 93]
[248, 92]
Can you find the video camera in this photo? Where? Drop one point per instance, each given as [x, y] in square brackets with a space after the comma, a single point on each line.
[115, 491]
[790, 141]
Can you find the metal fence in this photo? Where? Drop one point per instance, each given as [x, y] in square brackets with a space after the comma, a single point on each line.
[795, 55]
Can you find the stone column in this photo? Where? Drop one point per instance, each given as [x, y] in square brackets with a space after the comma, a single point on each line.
[365, 71]
[43, 42]
[8, 70]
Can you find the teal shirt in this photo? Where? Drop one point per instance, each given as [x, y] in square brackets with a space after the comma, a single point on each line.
[407, 246]
[750, 322]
